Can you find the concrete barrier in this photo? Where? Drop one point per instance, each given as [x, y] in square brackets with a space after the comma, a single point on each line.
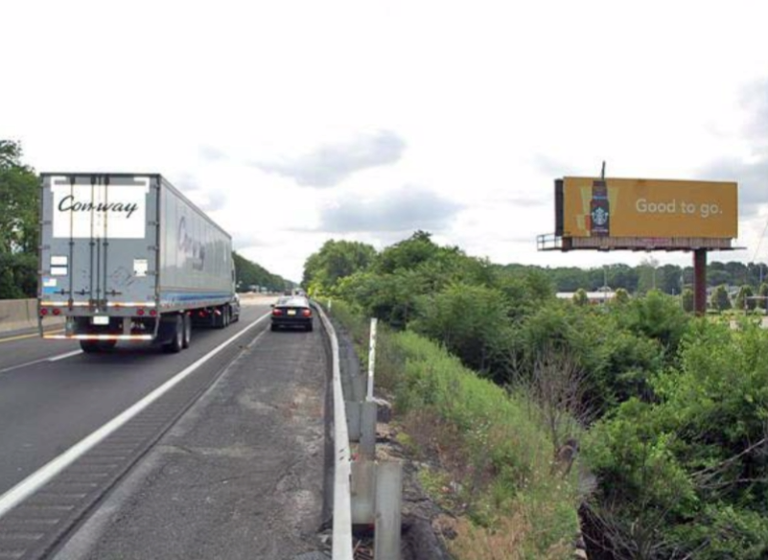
[17, 314]
[21, 314]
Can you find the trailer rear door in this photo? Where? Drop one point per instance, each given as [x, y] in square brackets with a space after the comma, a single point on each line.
[99, 240]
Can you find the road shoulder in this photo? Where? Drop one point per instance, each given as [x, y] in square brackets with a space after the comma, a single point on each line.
[239, 476]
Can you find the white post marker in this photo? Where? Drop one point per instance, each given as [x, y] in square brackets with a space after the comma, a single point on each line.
[371, 359]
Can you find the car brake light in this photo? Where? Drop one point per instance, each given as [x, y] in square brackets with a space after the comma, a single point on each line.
[307, 313]
[277, 312]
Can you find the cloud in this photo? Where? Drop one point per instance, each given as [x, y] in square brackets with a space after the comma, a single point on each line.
[186, 183]
[244, 240]
[215, 200]
[211, 154]
[755, 101]
[207, 201]
[752, 173]
[408, 209]
[549, 166]
[329, 165]
[525, 202]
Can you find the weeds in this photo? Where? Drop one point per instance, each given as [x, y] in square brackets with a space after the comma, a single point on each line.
[490, 462]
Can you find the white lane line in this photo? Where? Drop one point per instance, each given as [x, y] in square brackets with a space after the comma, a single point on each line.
[46, 473]
[41, 360]
[63, 356]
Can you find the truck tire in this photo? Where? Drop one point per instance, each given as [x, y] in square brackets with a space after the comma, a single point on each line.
[176, 343]
[187, 330]
[219, 321]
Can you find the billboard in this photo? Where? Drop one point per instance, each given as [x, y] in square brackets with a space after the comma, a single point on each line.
[647, 208]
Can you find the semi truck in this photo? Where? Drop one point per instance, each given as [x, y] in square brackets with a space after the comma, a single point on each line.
[127, 257]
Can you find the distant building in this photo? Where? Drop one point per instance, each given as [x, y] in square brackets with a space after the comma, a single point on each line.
[593, 297]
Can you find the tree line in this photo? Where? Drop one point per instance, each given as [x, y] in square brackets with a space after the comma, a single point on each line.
[670, 409]
[669, 278]
[19, 232]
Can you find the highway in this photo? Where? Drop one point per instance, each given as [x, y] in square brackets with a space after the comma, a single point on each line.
[52, 396]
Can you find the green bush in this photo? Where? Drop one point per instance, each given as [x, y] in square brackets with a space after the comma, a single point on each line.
[689, 471]
[470, 321]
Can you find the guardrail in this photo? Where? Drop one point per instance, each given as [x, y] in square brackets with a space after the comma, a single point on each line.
[342, 471]
[367, 489]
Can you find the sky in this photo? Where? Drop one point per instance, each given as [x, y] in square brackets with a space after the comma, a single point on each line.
[292, 123]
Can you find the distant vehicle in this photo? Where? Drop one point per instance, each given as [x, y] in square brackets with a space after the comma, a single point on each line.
[292, 312]
[127, 257]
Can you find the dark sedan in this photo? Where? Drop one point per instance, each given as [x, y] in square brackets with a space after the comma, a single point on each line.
[292, 312]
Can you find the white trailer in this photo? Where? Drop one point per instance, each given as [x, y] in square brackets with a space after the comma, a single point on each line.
[126, 257]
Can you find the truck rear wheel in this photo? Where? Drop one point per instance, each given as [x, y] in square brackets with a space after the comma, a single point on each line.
[221, 319]
[177, 337]
[187, 330]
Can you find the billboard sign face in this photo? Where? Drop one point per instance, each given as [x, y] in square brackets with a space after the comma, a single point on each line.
[649, 208]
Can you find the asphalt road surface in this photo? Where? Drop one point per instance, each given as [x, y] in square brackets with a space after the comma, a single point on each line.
[241, 471]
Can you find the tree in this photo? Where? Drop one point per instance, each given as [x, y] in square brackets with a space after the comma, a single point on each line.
[719, 299]
[763, 292]
[408, 253]
[688, 300]
[647, 278]
[249, 273]
[743, 300]
[19, 202]
[668, 279]
[336, 260]
[469, 320]
[580, 297]
[621, 297]
[19, 216]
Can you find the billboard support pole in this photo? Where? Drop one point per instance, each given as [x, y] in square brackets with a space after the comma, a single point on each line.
[700, 281]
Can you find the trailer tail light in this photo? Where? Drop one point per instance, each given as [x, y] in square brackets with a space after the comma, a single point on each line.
[307, 313]
[56, 311]
[277, 312]
[140, 312]
[153, 313]
[43, 312]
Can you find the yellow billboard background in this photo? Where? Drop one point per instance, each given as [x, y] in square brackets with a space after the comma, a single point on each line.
[654, 208]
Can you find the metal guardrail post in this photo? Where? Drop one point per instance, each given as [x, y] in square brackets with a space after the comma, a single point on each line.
[389, 503]
[342, 512]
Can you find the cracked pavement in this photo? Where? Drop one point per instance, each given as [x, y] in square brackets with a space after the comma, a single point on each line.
[239, 476]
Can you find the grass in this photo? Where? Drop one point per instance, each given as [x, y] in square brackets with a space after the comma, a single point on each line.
[490, 463]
